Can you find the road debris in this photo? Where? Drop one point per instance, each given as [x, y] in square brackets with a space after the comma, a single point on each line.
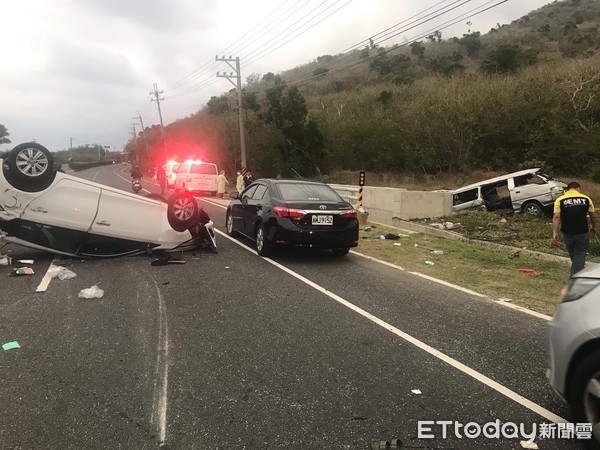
[23, 271]
[91, 292]
[429, 263]
[5, 260]
[25, 261]
[527, 444]
[531, 272]
[397, 244]
[416, 391]
[504, 299]
[61, 272]
[11, 345]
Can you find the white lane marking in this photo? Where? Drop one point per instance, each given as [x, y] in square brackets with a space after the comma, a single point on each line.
[459, 288]
[47, 278]
[161, 381]
[549, 415]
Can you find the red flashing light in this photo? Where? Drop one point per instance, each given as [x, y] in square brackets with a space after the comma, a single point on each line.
[283, 211]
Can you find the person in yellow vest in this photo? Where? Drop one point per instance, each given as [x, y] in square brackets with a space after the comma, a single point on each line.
[571, 211]
[239, 181]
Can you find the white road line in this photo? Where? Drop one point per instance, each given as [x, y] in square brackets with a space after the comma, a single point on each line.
[47, 278]
[549, 415]
[161, 381]
[459, 288]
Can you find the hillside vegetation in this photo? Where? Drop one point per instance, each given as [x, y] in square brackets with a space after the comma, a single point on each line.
[524, 94]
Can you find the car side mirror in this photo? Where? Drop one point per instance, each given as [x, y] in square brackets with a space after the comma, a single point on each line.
[234, 195]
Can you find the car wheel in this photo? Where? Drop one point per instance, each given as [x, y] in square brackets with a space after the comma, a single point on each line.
[156, 197]
[533, 209]
[584, 394]
[340, 251]
[30, 167]
[229, 224]
[182, 212]
[264, 246]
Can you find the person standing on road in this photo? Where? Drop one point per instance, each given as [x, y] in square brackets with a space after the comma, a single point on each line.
[571, 211]
[162, 178]
[239, 181]
[221, 182]
[248, 179]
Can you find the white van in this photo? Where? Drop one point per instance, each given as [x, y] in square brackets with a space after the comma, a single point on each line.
[528, 191]
[196, 176]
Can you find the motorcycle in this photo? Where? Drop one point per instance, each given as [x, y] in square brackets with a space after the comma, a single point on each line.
[136, 185]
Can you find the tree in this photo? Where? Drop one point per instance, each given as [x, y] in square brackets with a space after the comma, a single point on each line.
[418, 49]
[471, 42]
[508, 58]
[303, 142]
[4, 135]
[218, 105]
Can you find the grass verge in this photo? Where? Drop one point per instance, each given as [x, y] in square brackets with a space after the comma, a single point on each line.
[489, 271]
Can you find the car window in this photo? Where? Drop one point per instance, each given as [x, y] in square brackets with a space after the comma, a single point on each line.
[182, 168]
[466, 196]
[248, 192]
[204, 169]
[259, 193]
[307, 192]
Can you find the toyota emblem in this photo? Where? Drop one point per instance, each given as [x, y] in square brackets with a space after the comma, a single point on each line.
[322, 206]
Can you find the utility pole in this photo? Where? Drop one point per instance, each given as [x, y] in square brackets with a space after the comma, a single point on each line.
[155, 98]
[71, 147]
[144, 133]
[238, 85]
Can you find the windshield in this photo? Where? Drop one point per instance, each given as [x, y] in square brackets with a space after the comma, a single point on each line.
[308, 192]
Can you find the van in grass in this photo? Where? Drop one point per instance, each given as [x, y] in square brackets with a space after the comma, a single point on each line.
[528, 191]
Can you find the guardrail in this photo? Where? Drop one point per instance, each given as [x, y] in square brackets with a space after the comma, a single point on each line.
[347, 192]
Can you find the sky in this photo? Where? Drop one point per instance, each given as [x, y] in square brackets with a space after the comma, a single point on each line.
[81, 72]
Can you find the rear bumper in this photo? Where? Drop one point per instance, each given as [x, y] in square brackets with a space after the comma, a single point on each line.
[292, 235]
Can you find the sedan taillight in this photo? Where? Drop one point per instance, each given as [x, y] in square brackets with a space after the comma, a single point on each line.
[350, 214]
[294, 213]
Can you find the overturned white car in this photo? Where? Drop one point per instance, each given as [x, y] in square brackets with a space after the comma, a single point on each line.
[49, 210]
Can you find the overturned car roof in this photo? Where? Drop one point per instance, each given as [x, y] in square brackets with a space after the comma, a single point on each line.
[500, 178]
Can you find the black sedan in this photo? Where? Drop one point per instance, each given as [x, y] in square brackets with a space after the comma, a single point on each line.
[293, 213]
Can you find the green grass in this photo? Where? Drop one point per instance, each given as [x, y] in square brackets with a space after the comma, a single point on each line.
[489, 271]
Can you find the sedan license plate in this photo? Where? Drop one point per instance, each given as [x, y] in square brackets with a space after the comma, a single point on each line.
[322, 220]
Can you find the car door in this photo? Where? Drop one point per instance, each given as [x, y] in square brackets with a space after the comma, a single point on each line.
[254, 207]
[529, 187]
[467, 199]
[70, 204]
[126, 216]
[244, 209]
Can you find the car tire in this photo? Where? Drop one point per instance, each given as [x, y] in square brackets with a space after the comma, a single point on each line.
[533, 209]
[30, 167]
[340, 251]
[159, 197]
[264, 247]
[182, 211]
[586, 405]
[229, 224]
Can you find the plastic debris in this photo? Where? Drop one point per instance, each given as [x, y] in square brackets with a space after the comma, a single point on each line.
[397, 244]
[61, 272]
[437, 252]
[368, 228]
[416, 245]
[23, 271]
[527, 444]
[429, 263]
[92, 292]
[416, 391]
[227, 267]
[556, 243]
[5, 260]
[531, 272]
[25, 261]
[10, 345]
[504, 299]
